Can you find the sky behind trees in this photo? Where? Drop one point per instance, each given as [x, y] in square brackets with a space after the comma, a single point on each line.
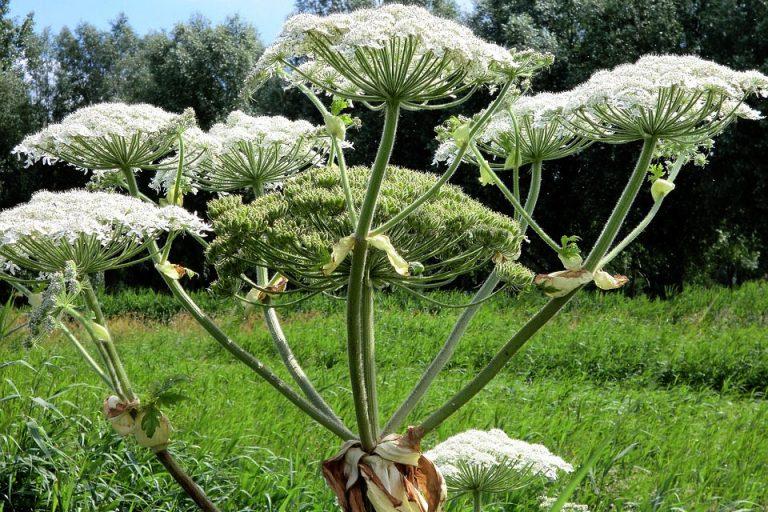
[148, 15]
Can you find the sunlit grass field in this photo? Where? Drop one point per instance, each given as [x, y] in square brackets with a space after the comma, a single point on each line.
[675, 387]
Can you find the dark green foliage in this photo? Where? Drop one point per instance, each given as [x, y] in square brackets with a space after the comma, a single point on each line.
[201, 66]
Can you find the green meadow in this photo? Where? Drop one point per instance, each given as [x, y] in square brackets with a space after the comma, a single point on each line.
[675, 388]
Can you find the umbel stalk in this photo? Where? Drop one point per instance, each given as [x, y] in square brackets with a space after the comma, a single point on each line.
[497, 363]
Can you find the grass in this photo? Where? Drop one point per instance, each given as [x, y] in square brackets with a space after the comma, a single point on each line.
[676, 388]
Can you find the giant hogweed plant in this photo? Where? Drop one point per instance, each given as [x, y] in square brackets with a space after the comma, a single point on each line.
[294, 221]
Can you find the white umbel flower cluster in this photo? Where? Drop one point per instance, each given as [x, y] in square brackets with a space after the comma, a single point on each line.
[243, 151]
[66, 216]
[637, 86]
[263, 130]
[334, 45]
[95, 123]
[525, 125]
[491, 448]
[669, 96]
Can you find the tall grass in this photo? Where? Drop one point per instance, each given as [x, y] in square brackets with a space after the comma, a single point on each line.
[676, 388]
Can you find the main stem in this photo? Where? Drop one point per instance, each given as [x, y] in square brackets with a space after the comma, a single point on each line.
[369, 358]
[183, 479]
[355, 295]
[546, 313]
[477, 501]
[476, 127]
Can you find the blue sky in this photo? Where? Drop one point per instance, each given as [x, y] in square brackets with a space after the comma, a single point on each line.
[146, 15]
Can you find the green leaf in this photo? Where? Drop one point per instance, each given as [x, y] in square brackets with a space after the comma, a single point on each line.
[151, 420]
[655, 172]
[338, 104]
[163, 393]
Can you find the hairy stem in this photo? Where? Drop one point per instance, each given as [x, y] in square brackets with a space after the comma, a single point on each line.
[442, 357]
[336, 151]
[183, 479]
[87, 356]
[293, 366]
[643, 224]
[369, 358]
[109, 346]
[477, 126]
[342, 163]
[533, 194]
[615, 221]
[477, 501]
[355, 297]
[525, 216]
[236, 350]
[462, 323]
[546, 313]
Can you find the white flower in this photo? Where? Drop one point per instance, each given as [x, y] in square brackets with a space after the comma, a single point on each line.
[96, 124]
[687, 94]
[529, 127]
[245, 151]
[547, 502]
[66, 216]
[337, 51]
[493, 447]
[96, 230]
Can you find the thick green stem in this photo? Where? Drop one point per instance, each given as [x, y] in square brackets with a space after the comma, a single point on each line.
[443, 356]
[252, 362]
[87, 356]
[236, 350]
[643, 223]
[477, 501]
[340, 160]
[476, 127]
[293, 366]
[92, 301]
[111, 359]
[369, 358]
[183, 479]
[461, 325]
[533, 194]
[519, 208]
[619, 213]
[516, 188]
[284, 349]
[496, 364]
[357, 276]
[552, 307]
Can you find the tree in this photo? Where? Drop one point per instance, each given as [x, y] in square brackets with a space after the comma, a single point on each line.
[93, 65]
[199, 65]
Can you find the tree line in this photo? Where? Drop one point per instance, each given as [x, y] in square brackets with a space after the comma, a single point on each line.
[714, 226]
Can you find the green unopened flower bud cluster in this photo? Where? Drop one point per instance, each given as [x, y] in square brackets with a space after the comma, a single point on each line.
[294, 231]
